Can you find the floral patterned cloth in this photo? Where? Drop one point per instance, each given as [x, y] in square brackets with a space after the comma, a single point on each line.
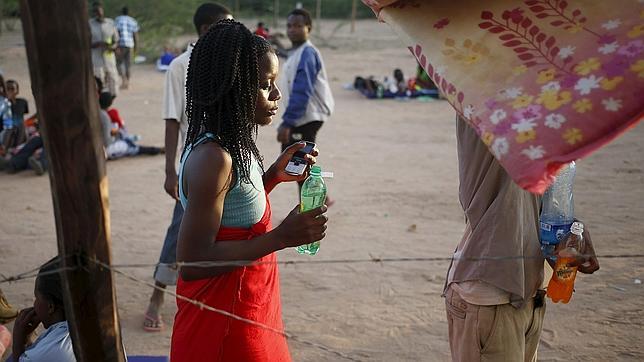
[543, 82]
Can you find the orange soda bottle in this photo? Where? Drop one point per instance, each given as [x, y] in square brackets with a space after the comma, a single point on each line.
[562, 282]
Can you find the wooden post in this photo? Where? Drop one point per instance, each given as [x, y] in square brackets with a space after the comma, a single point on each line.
[57, 41]
[318, 16]
[276, 13]
[353, 15]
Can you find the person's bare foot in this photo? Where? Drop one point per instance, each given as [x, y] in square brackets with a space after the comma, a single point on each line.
[125, 84]
[153, 321]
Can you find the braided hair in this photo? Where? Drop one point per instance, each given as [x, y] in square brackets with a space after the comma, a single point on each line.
[221, 91]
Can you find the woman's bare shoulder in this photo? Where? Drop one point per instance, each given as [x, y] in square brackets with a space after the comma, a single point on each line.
[208, 165]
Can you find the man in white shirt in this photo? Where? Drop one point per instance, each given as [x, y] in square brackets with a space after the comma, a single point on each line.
[176, 123]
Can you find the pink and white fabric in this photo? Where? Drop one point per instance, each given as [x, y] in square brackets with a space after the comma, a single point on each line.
[543, 82]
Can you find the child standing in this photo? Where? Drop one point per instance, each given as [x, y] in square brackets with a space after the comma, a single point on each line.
[6, 119]
[15, 131]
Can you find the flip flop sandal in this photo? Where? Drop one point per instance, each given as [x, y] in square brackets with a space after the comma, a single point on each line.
[153, 321]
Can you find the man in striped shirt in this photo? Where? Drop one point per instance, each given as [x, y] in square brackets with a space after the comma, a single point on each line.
[128, 29]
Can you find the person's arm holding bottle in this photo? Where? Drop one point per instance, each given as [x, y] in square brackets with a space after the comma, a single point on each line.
[211, 168]
[586, 260]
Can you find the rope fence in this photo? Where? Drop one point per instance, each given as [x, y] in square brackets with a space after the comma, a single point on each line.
[376, 260]
[116, 268]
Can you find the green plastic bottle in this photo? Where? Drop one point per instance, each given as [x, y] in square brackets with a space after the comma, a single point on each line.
[312, 196]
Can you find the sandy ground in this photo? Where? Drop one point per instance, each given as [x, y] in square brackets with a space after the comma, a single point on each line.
[396, 190]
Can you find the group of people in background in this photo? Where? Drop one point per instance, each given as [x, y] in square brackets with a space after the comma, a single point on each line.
[397, 86]
[216, 95]
[221, 187]
[113, 46]
[21, 145]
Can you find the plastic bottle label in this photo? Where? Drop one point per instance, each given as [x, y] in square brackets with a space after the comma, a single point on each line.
[565, 273]
[553, 233]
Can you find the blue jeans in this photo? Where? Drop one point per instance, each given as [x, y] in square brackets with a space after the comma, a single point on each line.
[166, 274]
[20, 161]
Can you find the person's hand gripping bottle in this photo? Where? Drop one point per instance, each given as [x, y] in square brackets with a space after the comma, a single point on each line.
[562, 282]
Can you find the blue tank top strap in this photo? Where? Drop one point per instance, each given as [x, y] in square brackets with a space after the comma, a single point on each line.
[245, 202]
[206, 136]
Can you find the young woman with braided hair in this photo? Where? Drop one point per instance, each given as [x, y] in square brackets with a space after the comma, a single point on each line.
[230, 91]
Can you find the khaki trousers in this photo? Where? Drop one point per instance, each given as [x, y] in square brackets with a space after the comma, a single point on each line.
[493, 333]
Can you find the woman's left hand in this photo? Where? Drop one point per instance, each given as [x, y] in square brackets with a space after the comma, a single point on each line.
[278, 168]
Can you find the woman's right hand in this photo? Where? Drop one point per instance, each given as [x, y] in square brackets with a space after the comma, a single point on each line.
[302, 228]
[23, 327]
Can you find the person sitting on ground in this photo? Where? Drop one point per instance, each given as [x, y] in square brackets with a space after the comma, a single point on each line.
[366, 86]
[28, 155]
[115, 117]
[262, 31]
[118, 124]
[117, 142]
[55, 343]
[31, 155]
[423, 80]
[400, 81]
[163, 63]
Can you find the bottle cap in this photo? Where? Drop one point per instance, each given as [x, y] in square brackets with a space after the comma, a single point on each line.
[577, 228]
[316, 170]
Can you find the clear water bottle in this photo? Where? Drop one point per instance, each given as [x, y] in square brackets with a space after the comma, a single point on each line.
[557, 211]
[312, 196]
[380, 91]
